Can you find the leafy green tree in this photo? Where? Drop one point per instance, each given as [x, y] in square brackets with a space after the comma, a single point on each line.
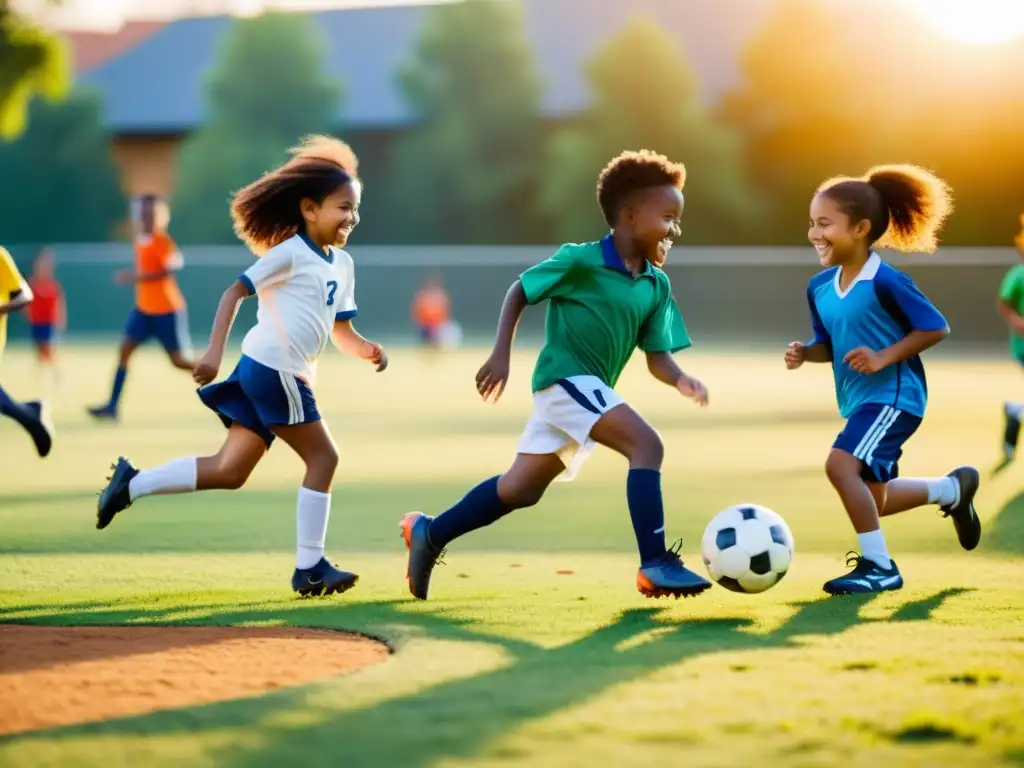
[469, 171]
[268, 91]
[67, 185]
[645, 97]
[32, 62]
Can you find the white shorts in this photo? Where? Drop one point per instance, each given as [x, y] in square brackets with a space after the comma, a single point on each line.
[563, 415]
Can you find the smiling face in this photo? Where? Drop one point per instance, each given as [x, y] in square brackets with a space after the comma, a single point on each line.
[652, 218]
[332, 220]
[834, 236]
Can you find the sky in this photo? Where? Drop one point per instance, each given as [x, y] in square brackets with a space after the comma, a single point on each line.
[110, 14]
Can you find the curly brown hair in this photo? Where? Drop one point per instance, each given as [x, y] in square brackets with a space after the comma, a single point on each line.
[630, 172]
[266, 212]
[905, 204]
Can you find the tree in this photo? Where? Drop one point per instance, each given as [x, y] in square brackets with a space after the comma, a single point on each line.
[468, 172]
[834, 105]
[32, 62]
[67, 185]
[267, 92]
[644, 97]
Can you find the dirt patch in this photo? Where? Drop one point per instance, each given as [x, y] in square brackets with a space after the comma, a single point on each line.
[54, 676]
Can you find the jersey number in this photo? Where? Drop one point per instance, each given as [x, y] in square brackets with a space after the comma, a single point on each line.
[332, 286]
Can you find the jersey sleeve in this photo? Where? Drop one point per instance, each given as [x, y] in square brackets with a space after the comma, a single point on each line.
[911, 308]
[821, 334]
[346, 299]
[274, 266]
[550, 278]
[665, 330]
[11, 281]
[1012, 287]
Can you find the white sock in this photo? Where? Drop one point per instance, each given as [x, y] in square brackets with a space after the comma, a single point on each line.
[176, 476]
[311, 514]
[944, 491]
[872, 547]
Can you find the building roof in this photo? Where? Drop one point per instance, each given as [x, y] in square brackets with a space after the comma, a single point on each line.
[91, 49]
[156, 85]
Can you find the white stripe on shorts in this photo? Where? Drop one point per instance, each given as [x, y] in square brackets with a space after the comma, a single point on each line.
[294, 397]
[865, 450]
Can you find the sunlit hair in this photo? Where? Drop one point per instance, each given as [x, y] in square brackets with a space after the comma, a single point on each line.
[631, 172]
[905, 205]
[267, 212]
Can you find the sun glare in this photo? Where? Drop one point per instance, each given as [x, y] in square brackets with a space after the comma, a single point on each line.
[981, 22]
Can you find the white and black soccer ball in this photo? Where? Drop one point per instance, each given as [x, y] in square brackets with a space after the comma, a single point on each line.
[747, 548]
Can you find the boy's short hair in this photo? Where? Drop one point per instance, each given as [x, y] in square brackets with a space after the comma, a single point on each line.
[630, 172]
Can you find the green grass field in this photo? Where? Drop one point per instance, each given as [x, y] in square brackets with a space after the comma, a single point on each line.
[510, 663]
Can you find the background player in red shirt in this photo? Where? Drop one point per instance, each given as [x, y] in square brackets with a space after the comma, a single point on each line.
[47, 314]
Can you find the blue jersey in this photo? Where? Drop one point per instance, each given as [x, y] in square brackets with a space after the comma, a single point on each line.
[878, 309]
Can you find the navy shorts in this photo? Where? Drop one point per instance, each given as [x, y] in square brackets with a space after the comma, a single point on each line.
[170, 329]
[42, 333]
[258, 398]
[875, 434]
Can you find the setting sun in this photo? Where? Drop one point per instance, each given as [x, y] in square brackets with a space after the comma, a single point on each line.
[982, 22]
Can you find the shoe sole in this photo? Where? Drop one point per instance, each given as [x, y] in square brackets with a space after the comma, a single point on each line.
[325, 589]
[649, 590]
[973, 481]
[840, 592]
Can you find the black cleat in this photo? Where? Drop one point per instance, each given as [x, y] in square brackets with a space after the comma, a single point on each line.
[321, 580]
[865, 578]
[668, 577]
[965, 518]
[1011, 434]
[103, 412]
[42, 429]
[115, 497]
[423, 555]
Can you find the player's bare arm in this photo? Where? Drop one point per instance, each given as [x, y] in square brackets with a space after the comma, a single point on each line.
[1010, 315]
[798, 353]
[493, 374]
[865, 360]
[348, 340]
[208, 365]
[663, 367]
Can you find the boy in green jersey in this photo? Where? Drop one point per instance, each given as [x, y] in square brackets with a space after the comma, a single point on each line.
[1011, 307]
[605, 299]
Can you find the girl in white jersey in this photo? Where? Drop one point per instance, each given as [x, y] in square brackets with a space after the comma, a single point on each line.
[298, 217]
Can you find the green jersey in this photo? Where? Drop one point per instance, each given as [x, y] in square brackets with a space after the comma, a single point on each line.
[598, 313]
[1012, 292]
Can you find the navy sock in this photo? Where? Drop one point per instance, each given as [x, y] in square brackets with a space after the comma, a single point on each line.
[478, 508]
[16, 410]
[643, 494]
[115, 393]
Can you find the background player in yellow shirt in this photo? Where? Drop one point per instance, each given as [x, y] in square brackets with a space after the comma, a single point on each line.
[14, 295]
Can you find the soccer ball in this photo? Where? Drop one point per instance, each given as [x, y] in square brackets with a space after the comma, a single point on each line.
[747, 548]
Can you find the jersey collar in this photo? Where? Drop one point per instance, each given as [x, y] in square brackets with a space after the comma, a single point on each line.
[867, 272]
[612, 260]
[328, 257]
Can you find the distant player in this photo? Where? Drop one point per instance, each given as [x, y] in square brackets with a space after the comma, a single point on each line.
[605, 299]
[872, 323]
[47, 314]
[159, 306]
[1011, 307]
[16, 294]
[298, 217]
[430, 311]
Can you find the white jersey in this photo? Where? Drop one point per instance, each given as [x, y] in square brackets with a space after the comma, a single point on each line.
[301, 293]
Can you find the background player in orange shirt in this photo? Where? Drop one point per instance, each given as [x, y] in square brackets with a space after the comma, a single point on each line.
[430, 310]
[47, 314]
[159, 306]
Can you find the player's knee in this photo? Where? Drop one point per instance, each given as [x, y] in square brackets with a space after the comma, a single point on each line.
[234, 477]
[841, 467]
[648, 450]
[519, 494]
[326, 462]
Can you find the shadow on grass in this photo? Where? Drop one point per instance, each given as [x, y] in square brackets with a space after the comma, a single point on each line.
[1006, 534]
[459, 718]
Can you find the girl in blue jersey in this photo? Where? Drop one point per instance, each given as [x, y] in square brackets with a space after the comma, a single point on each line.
[872, 323]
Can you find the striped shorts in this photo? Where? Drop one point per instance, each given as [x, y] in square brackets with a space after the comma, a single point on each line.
[875, 434]
[258, 397]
